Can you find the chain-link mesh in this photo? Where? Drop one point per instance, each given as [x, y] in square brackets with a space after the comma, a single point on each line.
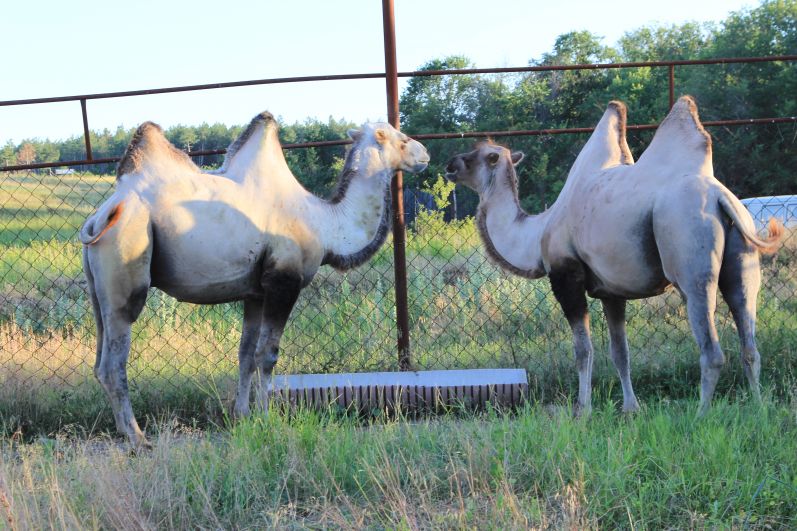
[464, 311]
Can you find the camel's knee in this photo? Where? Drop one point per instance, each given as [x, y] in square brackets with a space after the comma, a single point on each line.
[268, 359]
[713, 359]
[112, 378]
[750, 357]
[111, 372]
[583, 355]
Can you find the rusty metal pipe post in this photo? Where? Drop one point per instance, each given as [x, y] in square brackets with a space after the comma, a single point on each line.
[672, 85]
[86, 136]
[397, 193]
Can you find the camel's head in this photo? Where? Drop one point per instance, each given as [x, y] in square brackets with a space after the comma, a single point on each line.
[477, 169]
[396, 150]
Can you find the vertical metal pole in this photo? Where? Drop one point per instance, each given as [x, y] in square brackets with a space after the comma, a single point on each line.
[86, 129]
[396, 189]
[672, 85]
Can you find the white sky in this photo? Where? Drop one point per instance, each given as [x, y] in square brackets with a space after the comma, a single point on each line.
[60, 48]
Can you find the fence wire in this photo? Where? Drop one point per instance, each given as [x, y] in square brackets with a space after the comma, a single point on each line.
[465, 312]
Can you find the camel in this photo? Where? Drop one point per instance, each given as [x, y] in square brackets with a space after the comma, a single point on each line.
[248, 231]
[621, 230]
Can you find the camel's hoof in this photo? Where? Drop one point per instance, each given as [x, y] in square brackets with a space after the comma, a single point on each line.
[633, 409]
[580, 411]
[143, 446]
[701, 412]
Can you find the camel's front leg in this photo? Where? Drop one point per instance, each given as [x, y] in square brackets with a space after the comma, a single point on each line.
[614, 309]
[568, 288]
[250, 333]
[281, 289]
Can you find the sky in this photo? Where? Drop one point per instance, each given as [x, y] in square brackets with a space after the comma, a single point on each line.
[60, 48]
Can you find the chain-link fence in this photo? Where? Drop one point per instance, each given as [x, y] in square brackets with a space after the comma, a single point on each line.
[464, 312]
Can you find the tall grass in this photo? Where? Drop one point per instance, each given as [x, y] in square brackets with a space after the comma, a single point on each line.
[539, 468]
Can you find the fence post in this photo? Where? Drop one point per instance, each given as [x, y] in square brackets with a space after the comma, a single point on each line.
[86, 136]
[672, 85]
[397, 193]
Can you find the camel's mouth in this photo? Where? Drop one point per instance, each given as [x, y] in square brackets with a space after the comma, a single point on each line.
[451, 176]
[420, 166]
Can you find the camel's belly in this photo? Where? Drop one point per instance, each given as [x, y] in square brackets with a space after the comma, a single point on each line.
[638, 287]
[205, 273]
[215, 293]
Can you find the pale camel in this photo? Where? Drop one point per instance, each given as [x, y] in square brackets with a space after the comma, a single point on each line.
[248, 232]
[621, 231]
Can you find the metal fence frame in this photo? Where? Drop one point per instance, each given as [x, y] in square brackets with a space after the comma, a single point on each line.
[391, 76]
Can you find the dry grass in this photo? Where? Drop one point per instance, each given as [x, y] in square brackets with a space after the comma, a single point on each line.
[534, 470]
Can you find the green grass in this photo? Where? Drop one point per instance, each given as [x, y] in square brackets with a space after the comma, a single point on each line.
[464, 313]
[736, 468]
[660, 469]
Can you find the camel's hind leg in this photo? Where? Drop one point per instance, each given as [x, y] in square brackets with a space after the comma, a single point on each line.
[95, 306]
[739, 281]
[112, 375]
[253, 315]
[614, 309]
[568, 286]
[690, 240]
[118, 267]
[698, 285]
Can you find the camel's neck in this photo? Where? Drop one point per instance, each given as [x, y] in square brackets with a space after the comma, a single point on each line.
[355, 222]
[512, 237]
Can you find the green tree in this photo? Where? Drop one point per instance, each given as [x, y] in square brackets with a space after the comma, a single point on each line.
[8, 154]
[432, 104]
[47, 151]
[754, 160]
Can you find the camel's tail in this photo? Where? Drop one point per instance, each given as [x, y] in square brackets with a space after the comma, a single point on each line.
[770, 244]
[99, 224]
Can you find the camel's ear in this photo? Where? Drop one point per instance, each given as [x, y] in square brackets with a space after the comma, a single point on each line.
[517, 156]
[380, 135]
[492, 158]
[354, 134]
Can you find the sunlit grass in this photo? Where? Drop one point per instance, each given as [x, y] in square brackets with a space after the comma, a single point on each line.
[539, 468]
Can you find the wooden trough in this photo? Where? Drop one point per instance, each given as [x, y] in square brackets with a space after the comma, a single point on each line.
[409, 392]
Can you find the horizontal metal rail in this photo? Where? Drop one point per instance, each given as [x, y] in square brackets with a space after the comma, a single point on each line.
[425, 136]
[415, 73]
[89, 160]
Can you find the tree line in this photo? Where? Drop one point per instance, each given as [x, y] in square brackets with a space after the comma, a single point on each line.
[751, 160]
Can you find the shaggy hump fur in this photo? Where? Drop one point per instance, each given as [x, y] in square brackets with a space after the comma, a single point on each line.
[265, 119]
[149, 141]
[622, 117]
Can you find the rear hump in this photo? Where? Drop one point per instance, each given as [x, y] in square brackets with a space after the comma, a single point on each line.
[681, 143]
